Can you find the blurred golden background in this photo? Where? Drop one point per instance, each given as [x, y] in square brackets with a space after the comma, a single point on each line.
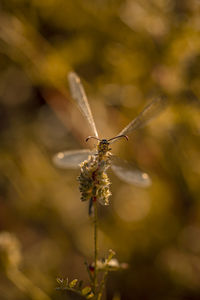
[126, 53]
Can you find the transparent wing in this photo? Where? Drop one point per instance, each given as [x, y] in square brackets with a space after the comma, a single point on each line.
[78, 93]
[149, 112]
[71, 159]
[130, 173]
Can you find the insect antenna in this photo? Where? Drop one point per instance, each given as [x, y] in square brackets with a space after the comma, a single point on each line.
[92, 137]
[119, 136]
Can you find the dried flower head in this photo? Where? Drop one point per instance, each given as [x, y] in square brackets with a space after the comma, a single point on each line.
[93, 179]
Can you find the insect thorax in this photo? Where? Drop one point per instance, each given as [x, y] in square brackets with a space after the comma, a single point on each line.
[93, 179]
[103, 149]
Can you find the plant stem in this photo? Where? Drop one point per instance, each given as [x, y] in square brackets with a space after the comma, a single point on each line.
[102, 285]
[95, 243]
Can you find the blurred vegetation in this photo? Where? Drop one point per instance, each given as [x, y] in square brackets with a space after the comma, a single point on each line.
[126, 53]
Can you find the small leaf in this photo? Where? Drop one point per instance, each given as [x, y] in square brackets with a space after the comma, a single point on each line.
[80, 284]
[59, 280]
[91, 295]
[111, 254]
[86, 290]
[73, 283]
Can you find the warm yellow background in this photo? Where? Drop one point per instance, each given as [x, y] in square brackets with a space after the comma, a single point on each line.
[126, 53]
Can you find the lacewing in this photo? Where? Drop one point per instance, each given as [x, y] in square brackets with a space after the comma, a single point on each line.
[96, 162]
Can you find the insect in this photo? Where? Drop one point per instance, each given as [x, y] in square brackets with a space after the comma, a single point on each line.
[93, 164]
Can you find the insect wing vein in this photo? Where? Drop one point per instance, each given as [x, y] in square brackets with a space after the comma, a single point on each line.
[71, 159]
[78, 93]
[148, 113]
[129, 173]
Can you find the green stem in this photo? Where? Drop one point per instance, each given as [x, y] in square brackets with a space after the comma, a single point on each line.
[102, 285]
[95, 244]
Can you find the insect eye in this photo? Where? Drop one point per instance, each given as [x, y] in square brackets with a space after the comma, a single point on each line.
[104, 141]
